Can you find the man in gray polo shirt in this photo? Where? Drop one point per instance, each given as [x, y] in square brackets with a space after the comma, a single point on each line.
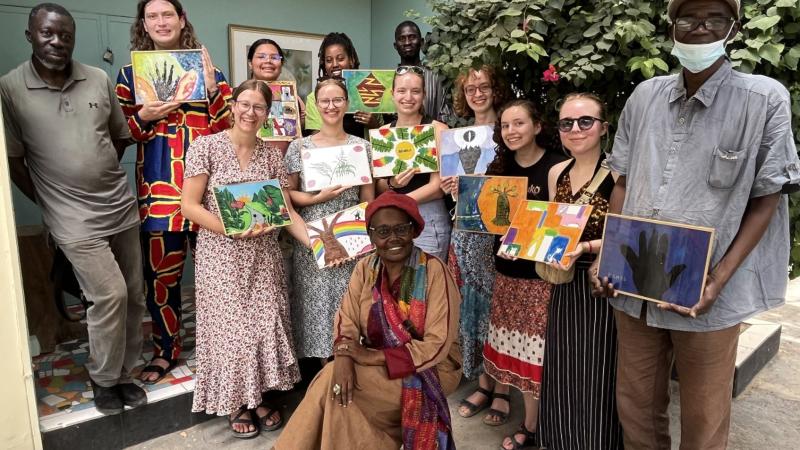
[713, 147]
[65, 132]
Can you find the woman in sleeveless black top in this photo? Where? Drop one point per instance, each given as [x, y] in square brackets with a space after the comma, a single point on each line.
[578, 399]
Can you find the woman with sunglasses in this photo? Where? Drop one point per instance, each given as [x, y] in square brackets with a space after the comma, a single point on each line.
[397, 354]
[478, 94]
[317, 292]
[408, 93]
[337, 53]
[244, 347]
[515, 344]
[580, 361]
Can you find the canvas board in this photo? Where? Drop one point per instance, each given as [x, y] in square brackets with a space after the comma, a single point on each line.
[395, 150]
[655, 260]
[168, 76]
[369, 90]
[486, 204]
[251, 206]
[283, 121]
[345, 165]
[339, 236]
[467, 150]
[545, 231]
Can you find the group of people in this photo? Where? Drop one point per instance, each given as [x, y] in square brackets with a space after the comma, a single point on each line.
[396, 330]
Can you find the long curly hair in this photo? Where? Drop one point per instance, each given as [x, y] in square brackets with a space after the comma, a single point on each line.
[140, 40]
[500, 90]
[546, 139]
[332, 39]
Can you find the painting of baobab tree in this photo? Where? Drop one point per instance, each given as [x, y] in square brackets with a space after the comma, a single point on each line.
[340, 236]
[655, 260]
[251, 206]
[345, 165]
[486, 204]
[466, 151]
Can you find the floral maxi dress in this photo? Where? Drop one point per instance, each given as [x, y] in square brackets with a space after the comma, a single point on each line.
[244, 345]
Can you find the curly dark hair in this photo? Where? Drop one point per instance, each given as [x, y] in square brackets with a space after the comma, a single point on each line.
[500, 90]
[332, 39]
[140, 40]
[546, 139]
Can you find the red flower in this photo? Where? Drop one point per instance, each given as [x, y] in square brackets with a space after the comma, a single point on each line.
[550, 75]
[237, 204]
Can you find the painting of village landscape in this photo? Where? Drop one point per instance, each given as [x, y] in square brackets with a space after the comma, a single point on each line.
[343, 165]
[283, 121]
[655, 260]
[369, 90]
[339, 236]
[545, 231]
[395, 150]
[466, 151]
[168, 76]
[251, 206]
[487, 204]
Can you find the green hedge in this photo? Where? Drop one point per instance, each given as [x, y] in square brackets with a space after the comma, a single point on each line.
[605, 47]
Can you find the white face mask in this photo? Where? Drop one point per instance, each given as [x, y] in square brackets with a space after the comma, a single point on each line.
[698, 57]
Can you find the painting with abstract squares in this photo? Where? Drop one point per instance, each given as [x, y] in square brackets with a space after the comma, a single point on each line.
[339, 236]
[283, 121]
[486, 204]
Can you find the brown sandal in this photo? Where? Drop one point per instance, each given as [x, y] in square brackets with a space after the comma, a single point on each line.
[238, 419]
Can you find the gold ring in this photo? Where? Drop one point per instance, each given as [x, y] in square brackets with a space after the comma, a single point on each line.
[337, 389]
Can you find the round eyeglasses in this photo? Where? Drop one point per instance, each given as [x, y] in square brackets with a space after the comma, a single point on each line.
[584, 123]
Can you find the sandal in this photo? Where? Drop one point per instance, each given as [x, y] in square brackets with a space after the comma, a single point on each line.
[158, 370]
[530, 439]
[503, 416]
[262, 420]
[473, 408]
[238, 419]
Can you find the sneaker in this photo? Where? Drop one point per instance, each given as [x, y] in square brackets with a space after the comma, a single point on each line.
[107, 400]
[131, 394]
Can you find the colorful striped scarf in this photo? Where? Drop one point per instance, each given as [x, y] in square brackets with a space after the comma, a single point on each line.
[425, 415]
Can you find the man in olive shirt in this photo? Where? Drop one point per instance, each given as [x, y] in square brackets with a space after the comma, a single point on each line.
[64, 134]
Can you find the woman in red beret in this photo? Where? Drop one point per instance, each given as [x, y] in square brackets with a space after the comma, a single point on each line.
[397, 356]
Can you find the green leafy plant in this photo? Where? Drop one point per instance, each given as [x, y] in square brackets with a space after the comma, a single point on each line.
[549, 48]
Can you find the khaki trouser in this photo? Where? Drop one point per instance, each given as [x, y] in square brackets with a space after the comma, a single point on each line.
[109, 271]
[705, 362]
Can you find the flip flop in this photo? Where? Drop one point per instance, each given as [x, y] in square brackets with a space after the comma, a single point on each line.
[473, 408]
[158, 370]
[237, 419]
[503, 416]
[262, 420]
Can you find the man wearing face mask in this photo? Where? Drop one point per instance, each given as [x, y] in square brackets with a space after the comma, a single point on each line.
[709, 146]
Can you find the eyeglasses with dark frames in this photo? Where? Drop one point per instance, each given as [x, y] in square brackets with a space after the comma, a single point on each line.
[384, 231]
[472, 90]
[584, 123]
[687, 24]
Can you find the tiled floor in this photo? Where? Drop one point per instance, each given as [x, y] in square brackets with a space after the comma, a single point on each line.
[64, 394]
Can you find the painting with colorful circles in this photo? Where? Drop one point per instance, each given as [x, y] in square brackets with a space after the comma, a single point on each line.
[342, 165]
[340, 236]
[395, 150]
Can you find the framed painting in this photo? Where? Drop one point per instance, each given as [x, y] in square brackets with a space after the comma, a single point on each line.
[345, 165]
[283, 121]
[486, 204]
[545, 231]
[168, 76]
[300, 65]
[466, 151]
[339, 236]
[655, 260]
[251, 206]
[397, 149]
[369, 90]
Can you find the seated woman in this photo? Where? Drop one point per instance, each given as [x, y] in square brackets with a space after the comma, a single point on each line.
[397, 356]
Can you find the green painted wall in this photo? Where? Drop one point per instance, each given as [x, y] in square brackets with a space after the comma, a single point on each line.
[386, 14]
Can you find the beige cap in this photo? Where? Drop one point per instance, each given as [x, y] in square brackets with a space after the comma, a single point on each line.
[674, 5]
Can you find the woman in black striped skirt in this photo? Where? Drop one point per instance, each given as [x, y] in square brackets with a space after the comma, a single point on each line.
[578, 406]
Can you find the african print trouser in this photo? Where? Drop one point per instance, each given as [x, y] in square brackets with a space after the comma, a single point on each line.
[164, 254]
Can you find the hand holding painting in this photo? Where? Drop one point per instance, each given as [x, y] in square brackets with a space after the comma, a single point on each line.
[153, 111]
[208, 73]
[329, 193]
[403, 178]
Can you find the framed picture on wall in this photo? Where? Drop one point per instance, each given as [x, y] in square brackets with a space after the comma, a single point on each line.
[301, 63]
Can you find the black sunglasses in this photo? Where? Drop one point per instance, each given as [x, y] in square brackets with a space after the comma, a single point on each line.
[584, 123]
[384, 231]
[402, 70]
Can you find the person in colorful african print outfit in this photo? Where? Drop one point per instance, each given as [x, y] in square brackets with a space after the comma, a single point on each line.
[402, 303]
[163, 131]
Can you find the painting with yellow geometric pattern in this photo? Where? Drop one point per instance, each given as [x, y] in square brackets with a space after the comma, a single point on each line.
[395, 150]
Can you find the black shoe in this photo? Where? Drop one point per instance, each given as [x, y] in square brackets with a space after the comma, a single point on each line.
[131, 394]
[107, 400]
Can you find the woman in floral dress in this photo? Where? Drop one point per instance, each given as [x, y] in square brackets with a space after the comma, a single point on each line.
[318, 292]
[244, 345]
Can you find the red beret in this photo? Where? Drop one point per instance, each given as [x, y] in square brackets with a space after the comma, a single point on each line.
[391, 199]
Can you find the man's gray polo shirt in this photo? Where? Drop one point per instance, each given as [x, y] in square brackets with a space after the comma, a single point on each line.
[66, 137]
[698, 161]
